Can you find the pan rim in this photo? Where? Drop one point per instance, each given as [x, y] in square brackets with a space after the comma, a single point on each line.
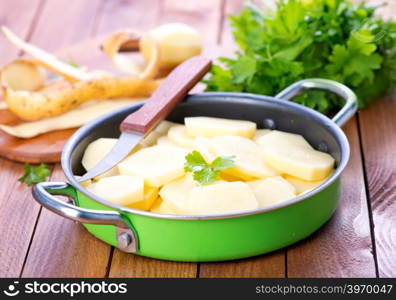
[246, 98]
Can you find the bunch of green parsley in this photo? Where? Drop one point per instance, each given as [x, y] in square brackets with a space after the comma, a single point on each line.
[300, 39]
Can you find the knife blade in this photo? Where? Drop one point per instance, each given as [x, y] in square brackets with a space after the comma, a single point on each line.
[138, 124]
[125, 144]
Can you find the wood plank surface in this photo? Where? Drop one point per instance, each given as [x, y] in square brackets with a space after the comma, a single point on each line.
[378, 130]
[18, 211]
[378, 138]
[60, 247]
[269, 265]
[63, 248]
[129, 265]
[343, 247]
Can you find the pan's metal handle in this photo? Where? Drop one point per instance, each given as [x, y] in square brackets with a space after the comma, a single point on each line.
[44, 194]
[335, 87]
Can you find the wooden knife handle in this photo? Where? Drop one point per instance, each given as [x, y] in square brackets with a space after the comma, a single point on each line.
[172, 91]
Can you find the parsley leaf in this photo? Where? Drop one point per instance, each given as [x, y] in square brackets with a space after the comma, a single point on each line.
[299, 39]
[34, 175]
[205, 173]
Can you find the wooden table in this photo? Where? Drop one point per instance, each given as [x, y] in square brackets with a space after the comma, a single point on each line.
[359, 241]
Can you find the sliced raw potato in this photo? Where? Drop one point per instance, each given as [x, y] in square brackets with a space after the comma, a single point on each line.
[248, 157]
[165, 141]
[164, 126]
[177, 43]
[228, 177]
[260, 133]
[86, 183]
[211, 127]
[286, 183]
[203, 145]
[270, 191]
[294, 156]
[283, 137]
[162, 207]
[150, 195]
[22, 74]
[176, 192]
[152, 138]
[95, 152]
[121, 190]
[303, 186]
[178, 135]
[158, 165]
[221, 198]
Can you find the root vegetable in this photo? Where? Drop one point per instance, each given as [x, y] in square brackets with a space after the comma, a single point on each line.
[32, 106]
[22, 74]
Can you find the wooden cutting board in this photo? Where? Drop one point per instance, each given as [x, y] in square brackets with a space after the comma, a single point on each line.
[43, 148]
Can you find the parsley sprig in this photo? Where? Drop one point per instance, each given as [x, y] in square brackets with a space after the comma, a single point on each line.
[299, 39]
[34, 175]
[205, 173]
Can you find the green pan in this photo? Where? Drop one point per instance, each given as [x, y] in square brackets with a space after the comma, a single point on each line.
[211, 237]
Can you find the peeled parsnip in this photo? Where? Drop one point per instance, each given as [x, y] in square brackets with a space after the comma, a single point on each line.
[22, 74]
[50, 102]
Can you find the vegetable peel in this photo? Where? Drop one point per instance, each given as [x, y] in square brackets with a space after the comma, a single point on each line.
[46, 59]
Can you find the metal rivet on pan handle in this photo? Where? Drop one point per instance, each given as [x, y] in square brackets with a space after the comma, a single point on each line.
[126, 240]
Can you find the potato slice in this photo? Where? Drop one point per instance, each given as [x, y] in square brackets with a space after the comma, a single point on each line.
[158, 165]
[283, 137]
[165, 141]
[178, 135]
[260, 133]
[152, 138]
[303, 186]
[203, 145]
[150, 195]
[95, 152]
[228, 177]
[270, 191]
[175, 193]
[22, 75]
[248, 162]
[211, 127]
[221, 198]
[121, 190]
[162, 207]
[293, 155]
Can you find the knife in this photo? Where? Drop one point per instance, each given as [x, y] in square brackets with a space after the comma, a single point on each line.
[138, 124]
